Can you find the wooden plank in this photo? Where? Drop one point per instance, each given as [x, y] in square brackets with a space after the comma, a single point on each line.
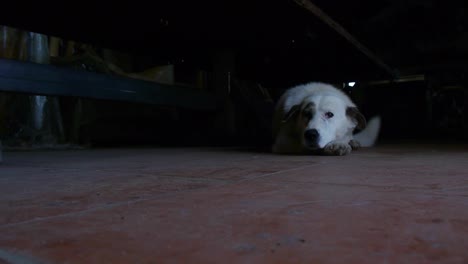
[31, 78]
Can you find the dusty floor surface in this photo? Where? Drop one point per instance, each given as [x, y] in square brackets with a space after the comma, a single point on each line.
[389, 204]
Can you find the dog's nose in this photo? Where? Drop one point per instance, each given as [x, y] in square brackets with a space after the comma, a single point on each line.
[311, 135]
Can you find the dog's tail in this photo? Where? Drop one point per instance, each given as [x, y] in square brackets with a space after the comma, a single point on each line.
[369, 135]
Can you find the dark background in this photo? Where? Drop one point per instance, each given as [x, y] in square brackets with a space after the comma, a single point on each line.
[276, 44]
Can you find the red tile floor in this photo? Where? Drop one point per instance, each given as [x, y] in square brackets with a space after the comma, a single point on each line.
[389, 204]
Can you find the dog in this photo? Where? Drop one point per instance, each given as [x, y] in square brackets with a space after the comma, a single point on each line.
[318, 118]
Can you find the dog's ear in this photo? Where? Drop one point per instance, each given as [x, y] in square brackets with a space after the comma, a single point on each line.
[356, 116]
[292, 113]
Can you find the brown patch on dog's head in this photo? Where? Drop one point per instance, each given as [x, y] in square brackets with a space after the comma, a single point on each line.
[357, 117]
[307, 112]
[304, 112]
[308, 109]
[291, 114]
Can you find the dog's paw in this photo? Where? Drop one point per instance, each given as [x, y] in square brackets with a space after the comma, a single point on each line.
[354, 144]
[337, 149]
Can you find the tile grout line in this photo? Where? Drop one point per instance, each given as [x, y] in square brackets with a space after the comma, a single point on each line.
[16, 258]
[276, 172]
[426, 191]
[110, 206]
[88, 210]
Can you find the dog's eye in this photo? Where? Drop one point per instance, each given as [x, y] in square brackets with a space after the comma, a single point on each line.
[328, 114]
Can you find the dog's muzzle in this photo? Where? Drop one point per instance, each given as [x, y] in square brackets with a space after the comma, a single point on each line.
[311, 138]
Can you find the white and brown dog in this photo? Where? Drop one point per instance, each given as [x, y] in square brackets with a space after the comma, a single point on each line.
[318, 118]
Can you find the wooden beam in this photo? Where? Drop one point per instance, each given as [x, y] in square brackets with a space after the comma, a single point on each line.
[344, 33]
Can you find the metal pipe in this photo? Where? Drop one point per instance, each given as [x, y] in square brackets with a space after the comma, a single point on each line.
[343, 32]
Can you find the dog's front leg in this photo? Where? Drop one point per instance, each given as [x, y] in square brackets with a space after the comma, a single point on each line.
[337, 148]
[354, 144]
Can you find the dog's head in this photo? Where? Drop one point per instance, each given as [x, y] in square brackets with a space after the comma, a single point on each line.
[322, 119]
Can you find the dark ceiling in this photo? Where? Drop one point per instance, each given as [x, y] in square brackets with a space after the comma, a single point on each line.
[273, 40]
